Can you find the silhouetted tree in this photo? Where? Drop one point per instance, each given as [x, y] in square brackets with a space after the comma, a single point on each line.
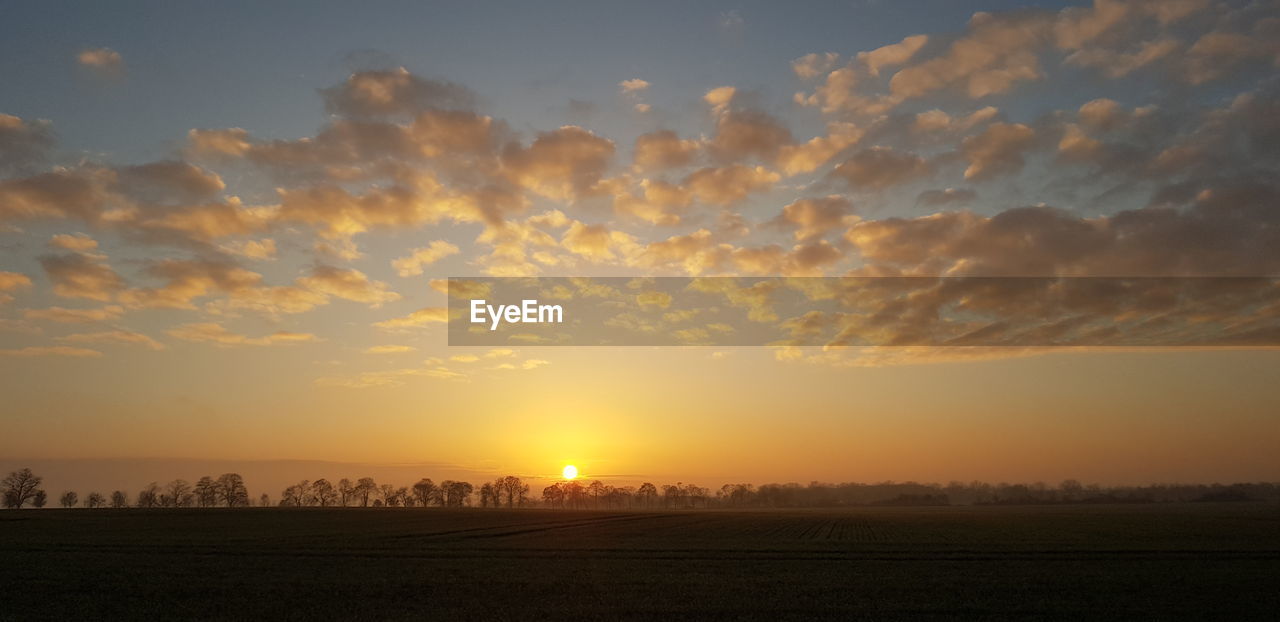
[68, 499]
[119, 499]
[404, 496]
[515, 490]
[388, 493]
[95, 500]
[575, 494]
[488, 495]
[149, 497]
[364, 489]
[553, 495]
[177, 494]
[20, 488]
[647, 494]
[264, 501]
[231, 490]
[456, 494]
[346, 492]
[426, 492]
[40, 500]
[323, 493]
[206, 491]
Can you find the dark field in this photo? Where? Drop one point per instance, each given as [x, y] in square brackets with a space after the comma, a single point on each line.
[1189, 561]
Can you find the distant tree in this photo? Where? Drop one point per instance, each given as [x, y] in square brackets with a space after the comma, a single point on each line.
[404, 496]
[206, 491]
[20, 488]
[575, 495]
[377, 503]
[513, 488]
[95, 500]
[149, 497]
[297, 495]
[68, 499]
[671, 495]
[119, 499]
[388, 493]
[426, 492]
[323, 493]
[488, 495]
[365, 488]
[553, 495]
[647, 493]
[231, 490]
[346, 492]
[596, 490]
[40, 500]
[178, 494]
[1072, 490]
[264, 501]
[456, 494]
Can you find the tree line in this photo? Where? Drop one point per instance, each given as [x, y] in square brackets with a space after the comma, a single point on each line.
[23, 488]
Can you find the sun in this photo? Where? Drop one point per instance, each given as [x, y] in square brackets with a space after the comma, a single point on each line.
[570, 471]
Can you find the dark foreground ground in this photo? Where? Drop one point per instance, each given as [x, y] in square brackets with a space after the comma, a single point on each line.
[1138, 562]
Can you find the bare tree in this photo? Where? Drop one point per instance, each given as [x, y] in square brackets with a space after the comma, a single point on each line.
[488, 495]
[515, 490]
[553, 495]
[264, 501]
[365, 488]
[40, 500]
[346, 492]
[20, 488]
[426, 492]
[231, 490]
[178, 494]
[149, 497]
[388, 493]
[323, 493]
[595, 489]
[647, 494]
[68, 499]
[95, 500]
[206, 491]
[119, 499]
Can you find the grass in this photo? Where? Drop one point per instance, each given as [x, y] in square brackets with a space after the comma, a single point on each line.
[1150, 561]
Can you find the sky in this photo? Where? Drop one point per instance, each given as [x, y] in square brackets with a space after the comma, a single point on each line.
[225, 229]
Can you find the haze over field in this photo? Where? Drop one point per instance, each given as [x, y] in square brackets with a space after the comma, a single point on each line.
[224, 229]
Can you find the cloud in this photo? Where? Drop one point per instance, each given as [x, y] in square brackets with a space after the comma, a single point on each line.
[23, 144]
[725, 186]
[74, 316]
[114, 336]
[212, 332]
[421, 317]
[80, 276]
[813, 65]
[892, 55]
[104, 61]
[813, 218]
[13, 280]
[998, 150]
[662, 150]
[390, 349]
[412, 264]
[946, 196]
[75, 242]
[996, 52]
[349, 285]
[10, 281]
[393, 93]
[742, 135]
[66, 351]
[634, 85]
[263, 250]
[562, 164]
[877, 168]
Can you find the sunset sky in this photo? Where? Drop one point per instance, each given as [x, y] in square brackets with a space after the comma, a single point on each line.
[224, 230]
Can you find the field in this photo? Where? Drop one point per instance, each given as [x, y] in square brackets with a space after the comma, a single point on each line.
[1151, 562]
